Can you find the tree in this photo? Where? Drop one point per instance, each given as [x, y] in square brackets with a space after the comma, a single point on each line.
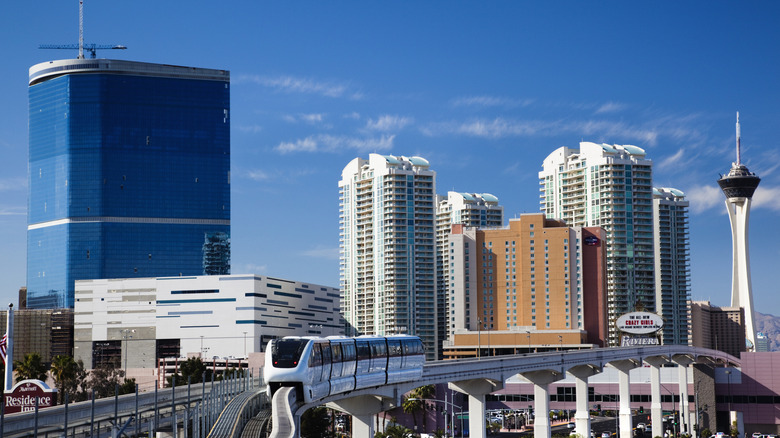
[105, 379]
[315, 422]
[734, 432]
[31, 367]
[68, 376]
[193, 369]
[412, 405]
[395, 431]
[425, 392]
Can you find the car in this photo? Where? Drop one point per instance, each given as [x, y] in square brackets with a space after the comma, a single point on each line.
[570, 425]
[606, 434]
[641, 426]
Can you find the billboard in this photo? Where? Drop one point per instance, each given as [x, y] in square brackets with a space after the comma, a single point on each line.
[639, 323]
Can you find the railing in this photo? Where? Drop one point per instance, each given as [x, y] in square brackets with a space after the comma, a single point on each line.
[198, 405]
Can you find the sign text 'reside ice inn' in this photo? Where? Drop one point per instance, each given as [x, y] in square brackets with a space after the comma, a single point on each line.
[23, 395]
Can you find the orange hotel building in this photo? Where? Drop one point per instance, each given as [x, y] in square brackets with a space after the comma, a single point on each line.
[535, 285]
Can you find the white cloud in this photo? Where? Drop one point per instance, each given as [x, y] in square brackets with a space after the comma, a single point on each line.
[672, 160]
[293, 84]
[308, 144]
[330, 143]
[491, 101]
[388, 123]
[312, 119]
[703, 198]
[322, 252]
[13, 184]
[353, 115]
[767, 197]
[613, 132]
[250, 268]
[293, 175]
[611, 107]
[251, 129]
[258, 175]
[13, 211]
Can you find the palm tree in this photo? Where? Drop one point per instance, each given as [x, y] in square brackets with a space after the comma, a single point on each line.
[425, 392]
[68, 375]
[398, 431]
[31, 367]
[412, 405]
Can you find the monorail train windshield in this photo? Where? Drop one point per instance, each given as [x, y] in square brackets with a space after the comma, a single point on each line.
[286, 353]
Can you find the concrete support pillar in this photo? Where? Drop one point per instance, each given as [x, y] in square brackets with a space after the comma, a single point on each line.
[581, 374]
[656, 408]
[541, 381]
[476, 390]
[685, 416]
[363, 425]
[364, 408]
[626, 423]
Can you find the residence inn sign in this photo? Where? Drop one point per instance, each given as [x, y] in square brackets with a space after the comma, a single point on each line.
[23, 397]
[642, 324]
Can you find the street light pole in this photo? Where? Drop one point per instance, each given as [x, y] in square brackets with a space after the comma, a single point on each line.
[479, 338]
[528, 335]
[126, 337]
[460, 409]
[728, 375]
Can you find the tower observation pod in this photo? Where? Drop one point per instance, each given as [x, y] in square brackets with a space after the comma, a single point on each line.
[738, 186]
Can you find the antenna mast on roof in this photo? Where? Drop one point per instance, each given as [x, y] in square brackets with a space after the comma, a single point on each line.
[91, 48]
[81, 29]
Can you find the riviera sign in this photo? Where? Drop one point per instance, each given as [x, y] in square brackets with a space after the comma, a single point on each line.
[23, 395]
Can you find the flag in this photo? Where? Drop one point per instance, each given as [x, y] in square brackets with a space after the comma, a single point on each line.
[3, 344]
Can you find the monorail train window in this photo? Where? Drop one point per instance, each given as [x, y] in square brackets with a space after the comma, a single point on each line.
[349, 352]
[413, 346]
[316, 356]
[336, 348]
[378, 349]
[363, 350]
[326, 356]
[286, 353]
[394, 348]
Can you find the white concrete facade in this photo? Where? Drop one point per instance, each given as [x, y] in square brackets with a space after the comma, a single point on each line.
[217, 316]
[388, 247]
[470, 210]
[608, 186]
[672, 269]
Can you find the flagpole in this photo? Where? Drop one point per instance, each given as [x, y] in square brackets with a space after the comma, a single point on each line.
[9, 349]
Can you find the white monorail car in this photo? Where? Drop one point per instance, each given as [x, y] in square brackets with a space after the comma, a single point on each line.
[318, 367]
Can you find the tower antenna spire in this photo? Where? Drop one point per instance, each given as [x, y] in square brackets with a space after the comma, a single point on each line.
[739, 140]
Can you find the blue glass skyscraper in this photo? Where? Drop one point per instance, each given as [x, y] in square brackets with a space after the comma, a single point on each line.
[129, 174]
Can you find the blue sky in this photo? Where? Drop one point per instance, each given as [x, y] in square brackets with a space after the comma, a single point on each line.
[483, 91]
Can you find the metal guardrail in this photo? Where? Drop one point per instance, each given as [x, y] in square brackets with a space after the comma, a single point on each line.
[199, 404]
[237, 413]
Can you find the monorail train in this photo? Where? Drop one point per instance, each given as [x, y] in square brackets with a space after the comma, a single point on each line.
[318, 367]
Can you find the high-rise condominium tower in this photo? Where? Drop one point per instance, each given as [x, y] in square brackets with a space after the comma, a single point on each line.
[129, 174]
[672, 273]
[739, 186]
[468, 209]
[608, 186]
[388, 247]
